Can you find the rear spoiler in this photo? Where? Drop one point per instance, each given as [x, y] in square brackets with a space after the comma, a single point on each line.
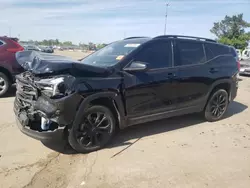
[12, 38]
[15, 39]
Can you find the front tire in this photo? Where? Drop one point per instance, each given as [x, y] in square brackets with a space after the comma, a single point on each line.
[4, 84]
[216, 106]
[95, 131]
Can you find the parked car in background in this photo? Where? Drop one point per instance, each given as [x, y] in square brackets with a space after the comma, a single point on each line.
[246, 54]
[239, 54]
[8, 64]
[128, 82]
[32, 48]
[245, 68]
[47, 49]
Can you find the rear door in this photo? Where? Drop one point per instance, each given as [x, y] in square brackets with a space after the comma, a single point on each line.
[193, 74]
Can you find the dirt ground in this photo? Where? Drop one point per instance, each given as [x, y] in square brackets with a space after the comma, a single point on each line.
[74, 54]
[178, 152]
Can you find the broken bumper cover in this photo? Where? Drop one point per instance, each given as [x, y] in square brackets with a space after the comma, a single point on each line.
[62, 111]
[57, 134]
[24, 124]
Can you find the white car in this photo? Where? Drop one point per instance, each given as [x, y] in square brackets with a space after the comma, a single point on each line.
[246, 54]
[245, 68]
[239, 54]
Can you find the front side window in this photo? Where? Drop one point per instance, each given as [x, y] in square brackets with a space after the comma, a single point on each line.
[156, 55]
[189, 53]
[113, 53]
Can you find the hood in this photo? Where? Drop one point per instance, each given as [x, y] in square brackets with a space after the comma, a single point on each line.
[43, 63]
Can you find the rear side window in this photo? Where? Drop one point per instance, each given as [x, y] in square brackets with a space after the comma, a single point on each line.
[215, 50]
[1, 43]
[189, 53]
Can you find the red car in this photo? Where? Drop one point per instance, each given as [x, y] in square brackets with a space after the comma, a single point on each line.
[8, 64]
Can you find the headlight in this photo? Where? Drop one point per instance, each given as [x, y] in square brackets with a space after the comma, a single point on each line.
[56, 85]
[51, 86]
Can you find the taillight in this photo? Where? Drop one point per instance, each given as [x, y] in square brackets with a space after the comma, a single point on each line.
[15, 48]
[18, 49]
[238, 65]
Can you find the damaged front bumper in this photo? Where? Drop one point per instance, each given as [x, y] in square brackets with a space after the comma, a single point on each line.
[31, 106]
[22, 119]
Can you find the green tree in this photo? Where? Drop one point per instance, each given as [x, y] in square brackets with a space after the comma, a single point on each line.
[92, 46]
[57, 42]
[99, 46]
[231, 31]
[67, 43]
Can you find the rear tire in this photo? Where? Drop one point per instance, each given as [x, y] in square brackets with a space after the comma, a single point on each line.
[216, 106]
[97, 128]
[4, 84]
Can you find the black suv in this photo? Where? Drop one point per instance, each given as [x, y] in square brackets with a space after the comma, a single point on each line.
[128, 82]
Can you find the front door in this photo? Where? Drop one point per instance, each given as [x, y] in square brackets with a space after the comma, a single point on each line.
[153, 90]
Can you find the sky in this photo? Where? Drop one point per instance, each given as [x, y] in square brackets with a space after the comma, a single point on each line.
[108, 20]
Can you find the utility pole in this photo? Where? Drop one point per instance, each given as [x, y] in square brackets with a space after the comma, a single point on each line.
[166, 17]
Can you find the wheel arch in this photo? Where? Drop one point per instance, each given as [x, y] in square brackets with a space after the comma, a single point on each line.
[6, 72]
[221, 84]
[110, 100]
[225, 84]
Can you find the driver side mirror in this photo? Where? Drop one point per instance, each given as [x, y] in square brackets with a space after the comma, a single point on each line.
[136, 66]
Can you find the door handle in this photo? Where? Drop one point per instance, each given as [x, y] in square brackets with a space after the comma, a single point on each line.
[213, 70]
[171, 75]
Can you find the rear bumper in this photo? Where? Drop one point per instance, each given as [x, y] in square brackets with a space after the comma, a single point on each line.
[233, 95]
[234, 88]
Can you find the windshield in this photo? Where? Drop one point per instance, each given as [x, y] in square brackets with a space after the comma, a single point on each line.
[113, 53]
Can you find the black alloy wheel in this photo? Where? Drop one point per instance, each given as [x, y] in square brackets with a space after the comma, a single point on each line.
[95, 131]
[217, 105]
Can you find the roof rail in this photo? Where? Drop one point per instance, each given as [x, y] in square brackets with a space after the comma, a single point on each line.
[134, 38]
[187, 37]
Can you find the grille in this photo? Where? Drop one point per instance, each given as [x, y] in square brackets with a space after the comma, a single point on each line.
[26, 93]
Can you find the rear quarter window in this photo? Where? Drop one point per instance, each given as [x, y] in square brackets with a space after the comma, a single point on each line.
[1, 43]
[234, 52]
[215, 50]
